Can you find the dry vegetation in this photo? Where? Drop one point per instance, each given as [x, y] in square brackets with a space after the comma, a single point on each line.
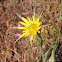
[20, 51]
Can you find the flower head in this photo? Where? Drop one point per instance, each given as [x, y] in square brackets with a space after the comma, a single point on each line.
[31, 27]
[43, 46]
[18, 34]
[18, 25]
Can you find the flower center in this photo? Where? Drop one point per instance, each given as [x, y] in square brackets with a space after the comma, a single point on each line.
[33, 29]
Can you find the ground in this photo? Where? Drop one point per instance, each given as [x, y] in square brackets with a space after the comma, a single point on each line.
[20, 51]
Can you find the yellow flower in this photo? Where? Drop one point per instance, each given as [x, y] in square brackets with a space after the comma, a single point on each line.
[30, 27]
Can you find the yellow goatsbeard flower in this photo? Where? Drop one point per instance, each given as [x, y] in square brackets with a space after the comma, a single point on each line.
[30, 27]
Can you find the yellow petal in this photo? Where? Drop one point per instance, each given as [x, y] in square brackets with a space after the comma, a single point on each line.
[38, 28]
[31, 37]
[22, 35]
[29, 20]
[25, 20]
[37, 20]
[24, 31]
[38, 24]
[27, 34]
[38, 31]
[33, 19]
[21, 28]
[23, 23]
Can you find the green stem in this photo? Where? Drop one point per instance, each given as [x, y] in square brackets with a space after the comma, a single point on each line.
[30, 51]
[40, 47]
[40, 14]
